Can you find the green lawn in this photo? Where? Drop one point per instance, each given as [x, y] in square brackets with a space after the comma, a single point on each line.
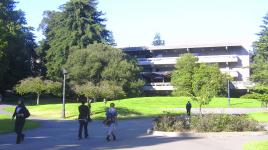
[135, 107]
[256, 145]
[259, 116]
[7, 125]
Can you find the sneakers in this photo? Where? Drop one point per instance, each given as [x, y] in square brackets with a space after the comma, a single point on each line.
[108, 138]
[114, 137]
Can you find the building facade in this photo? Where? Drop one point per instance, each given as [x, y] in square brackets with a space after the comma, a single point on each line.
[159, 61]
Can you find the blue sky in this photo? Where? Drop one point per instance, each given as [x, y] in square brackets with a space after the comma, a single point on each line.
[180, 22]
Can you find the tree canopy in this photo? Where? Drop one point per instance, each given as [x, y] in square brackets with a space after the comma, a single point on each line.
[260, 57]
[207, 82]
[182, 76]
[16, 45]
[37, 86]
[201, 82]
[100, 62]
[157, 40]
[260, 66]
[77, 25]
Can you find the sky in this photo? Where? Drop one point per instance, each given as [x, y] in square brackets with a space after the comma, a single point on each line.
[180, 22]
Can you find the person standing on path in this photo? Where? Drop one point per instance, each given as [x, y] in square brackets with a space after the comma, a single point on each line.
[21, 113]
[83, 119]
[188, 108]
[111, 118]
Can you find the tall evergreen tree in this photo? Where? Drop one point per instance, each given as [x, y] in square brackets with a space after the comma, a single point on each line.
[77, 25]
[16, 45]
[157, 40]
[260, 58]
[260, 66]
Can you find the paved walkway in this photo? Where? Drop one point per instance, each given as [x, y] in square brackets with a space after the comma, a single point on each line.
[59, 135]
[223, 110]
[2, 111]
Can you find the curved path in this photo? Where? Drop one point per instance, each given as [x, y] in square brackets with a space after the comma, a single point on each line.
[59, 135]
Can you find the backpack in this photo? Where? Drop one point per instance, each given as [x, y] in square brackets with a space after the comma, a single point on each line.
[27, 113]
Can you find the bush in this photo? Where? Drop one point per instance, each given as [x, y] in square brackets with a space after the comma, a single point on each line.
[207, 123]
[171, 123]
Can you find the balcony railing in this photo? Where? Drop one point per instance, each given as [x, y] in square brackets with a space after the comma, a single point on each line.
[158, 86]
[201, 59]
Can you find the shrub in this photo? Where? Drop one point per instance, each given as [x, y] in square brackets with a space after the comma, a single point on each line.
[207, 123]
[171, 123]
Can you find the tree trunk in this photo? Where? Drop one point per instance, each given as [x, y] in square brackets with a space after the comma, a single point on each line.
[200, 111]
[37, 100]
[87, 100]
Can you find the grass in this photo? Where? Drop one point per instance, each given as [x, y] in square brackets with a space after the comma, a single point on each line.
[259, 116]
[136, 107]
[7, 125]
[256, 145]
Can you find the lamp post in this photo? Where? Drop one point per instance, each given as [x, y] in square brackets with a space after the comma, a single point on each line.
[63, 93]
[228, 92]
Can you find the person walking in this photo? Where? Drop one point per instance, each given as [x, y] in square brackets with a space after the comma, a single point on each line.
[111, 119]
[20, 113]
[188, 108]
[83, 119]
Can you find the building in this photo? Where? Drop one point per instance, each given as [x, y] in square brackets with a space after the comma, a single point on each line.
[159, 61]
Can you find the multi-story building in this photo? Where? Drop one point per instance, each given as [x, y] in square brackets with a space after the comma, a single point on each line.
[159, 61]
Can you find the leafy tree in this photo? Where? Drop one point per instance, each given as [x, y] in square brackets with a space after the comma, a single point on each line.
[259, 92]
[77, 25]
[89, 90]
[109, 90]
[182, 76]
[157, 40]
[207, 82]
[53, 87]
[37, 86]
[199, 81]
[100, 62]
[16, 45]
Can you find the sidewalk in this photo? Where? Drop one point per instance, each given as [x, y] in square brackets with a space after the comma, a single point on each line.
[220, 110]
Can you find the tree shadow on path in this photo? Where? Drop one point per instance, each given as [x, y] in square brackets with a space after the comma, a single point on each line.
[63, 135]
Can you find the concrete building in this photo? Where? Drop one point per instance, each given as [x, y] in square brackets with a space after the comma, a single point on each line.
[159, 61]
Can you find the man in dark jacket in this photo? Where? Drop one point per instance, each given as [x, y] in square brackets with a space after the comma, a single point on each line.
[83, 119]
[21, 113]
[188, 108]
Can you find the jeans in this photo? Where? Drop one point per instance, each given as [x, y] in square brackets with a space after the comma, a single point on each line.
[19, 123]
[111, 129]
[188, 112]
[83, 124]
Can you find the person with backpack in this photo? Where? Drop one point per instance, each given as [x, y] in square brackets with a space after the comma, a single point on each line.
[111, 118]
[83, 118]
[188, 108]
[21, 113]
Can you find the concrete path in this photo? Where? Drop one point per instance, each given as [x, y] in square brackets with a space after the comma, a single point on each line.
[59, 135]
[2, 111]
[221, 110]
